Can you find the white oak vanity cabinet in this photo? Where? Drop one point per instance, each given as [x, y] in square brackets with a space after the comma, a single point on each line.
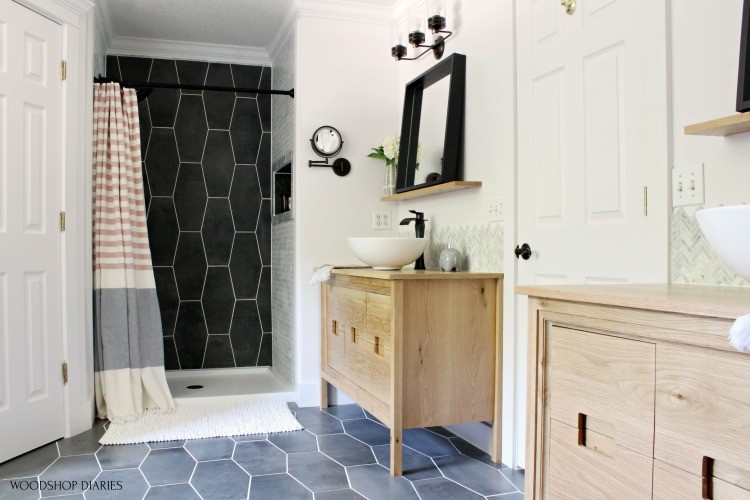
[634, 392]
[415, 348]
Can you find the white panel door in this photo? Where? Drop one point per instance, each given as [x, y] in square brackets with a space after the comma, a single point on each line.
[31, 385]
[592, 135]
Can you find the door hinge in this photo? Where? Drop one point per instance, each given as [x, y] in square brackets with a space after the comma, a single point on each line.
[645, 201]
[63, 70]
[65, 372]
[62, 221]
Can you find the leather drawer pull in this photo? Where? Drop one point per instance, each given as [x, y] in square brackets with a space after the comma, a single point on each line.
[354, 335]
[378, 346]
[707, 472]
[581, 429]
[335, 327]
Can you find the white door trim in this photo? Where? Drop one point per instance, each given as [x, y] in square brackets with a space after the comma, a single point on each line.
[76, 18]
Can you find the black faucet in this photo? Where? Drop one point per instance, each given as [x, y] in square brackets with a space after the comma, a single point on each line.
[419, 221]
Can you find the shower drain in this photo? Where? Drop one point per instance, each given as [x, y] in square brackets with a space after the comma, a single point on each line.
[196, 386]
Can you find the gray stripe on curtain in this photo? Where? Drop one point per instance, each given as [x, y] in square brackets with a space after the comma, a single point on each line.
[129, 324]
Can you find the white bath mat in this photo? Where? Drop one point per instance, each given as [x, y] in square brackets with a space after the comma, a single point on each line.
[204, 420]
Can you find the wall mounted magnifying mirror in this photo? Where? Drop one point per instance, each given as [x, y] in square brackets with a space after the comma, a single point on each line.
[326, 141]
[431, 149]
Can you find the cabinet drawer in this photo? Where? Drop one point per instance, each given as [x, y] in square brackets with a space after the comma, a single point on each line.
[379, 316]
[671, 483]
[348, 306]
[703, 409]
[367, 367]
[611, 471]
[608, 379]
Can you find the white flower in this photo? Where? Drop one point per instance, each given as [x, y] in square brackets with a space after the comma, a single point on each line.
[391, 146]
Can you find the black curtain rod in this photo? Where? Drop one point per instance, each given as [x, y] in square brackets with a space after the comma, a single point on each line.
[156, 85]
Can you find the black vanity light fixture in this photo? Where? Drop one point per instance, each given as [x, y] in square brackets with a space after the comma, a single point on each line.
[435, 23]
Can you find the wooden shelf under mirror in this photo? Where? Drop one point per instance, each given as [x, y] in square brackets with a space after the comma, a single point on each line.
[721, 127]
[430, 190]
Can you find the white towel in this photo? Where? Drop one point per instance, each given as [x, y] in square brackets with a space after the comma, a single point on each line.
[739, 334]
[322, 274]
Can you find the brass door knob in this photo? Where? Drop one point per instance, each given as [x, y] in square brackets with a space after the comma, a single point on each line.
[570, 6]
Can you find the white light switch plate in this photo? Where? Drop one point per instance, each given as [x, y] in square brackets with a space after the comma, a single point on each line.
[687, 186]
[495, 211]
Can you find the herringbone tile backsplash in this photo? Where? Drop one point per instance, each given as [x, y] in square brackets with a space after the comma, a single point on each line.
[481, 246]
[693, 259]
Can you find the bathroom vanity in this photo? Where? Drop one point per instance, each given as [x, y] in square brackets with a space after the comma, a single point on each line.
[415, 348]
[635, 392]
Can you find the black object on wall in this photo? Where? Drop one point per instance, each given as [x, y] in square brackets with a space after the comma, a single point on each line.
[743, 82]
[453, 67]
[207, 176]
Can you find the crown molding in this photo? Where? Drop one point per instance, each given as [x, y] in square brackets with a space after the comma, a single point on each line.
[169, 49]
[284, 30]
[78, 7]
[344, 11]
[104, 19]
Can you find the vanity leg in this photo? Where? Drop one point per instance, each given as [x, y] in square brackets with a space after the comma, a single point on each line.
[323, 393]
[497, 425]
[396, 450]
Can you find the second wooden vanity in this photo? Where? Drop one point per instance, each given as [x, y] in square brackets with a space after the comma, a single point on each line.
[415, 348]
[634, 392]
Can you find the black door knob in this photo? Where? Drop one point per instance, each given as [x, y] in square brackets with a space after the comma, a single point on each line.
[523, 252]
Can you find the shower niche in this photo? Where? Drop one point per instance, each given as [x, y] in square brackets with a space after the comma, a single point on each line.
[282, 183]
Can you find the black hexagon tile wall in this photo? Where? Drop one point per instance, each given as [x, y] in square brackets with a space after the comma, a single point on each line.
[206, 167]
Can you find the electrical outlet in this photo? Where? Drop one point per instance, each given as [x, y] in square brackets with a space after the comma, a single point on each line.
[381, 220]
[687, 186]
[495, 211]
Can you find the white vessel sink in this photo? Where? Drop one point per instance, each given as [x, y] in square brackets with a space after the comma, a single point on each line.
[727, 230]
[387, 253]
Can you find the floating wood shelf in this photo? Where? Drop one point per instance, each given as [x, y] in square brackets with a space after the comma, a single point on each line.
[722, 127]
[429, 191]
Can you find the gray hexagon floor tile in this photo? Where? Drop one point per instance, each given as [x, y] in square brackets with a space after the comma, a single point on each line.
[318, 422]
[122, 456]
[415, 465]
[220, 479]
[294, 442]
[166, 444]
[30, 464]
[367, 431]
[19, 489]
[84, 443]
[345, 412]
[210, 449]
[509, 496]
[472, 451]
[278, 486]
[477, 476]
[168, 466]
[443, 489]
[442, 431]
[428, 443]
[317, 472]
[376, 483]
[123, 484]
[517, 477]
[172, 492]
[259, 458]
[249, 437]
[79, 468]
[347, 494]
[346, 450]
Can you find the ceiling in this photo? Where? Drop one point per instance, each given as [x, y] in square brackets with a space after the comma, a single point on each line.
[248, 23]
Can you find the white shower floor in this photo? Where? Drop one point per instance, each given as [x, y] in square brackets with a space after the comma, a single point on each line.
[231, 384]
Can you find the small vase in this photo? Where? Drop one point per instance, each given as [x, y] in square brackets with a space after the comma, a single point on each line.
[389, 184]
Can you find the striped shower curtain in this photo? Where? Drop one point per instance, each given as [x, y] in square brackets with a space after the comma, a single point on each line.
[128, 349]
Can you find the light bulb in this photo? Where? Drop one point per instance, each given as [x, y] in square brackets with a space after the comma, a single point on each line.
[415, 19]
[437, 8]
[396, 35]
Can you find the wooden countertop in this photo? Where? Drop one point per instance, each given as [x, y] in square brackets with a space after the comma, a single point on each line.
[411, 274]
[699, 300]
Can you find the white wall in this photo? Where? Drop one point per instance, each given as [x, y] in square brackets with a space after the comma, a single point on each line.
[487, 38]
[345, 78]
[705, 56]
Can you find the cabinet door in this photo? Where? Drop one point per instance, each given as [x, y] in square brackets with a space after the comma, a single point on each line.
[600, 469]
[608, 381]
[346, 312]
[703, 410]
[671, 483]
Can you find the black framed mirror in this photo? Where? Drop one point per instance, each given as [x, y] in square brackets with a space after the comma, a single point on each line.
[431, 150]
[743, 82]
